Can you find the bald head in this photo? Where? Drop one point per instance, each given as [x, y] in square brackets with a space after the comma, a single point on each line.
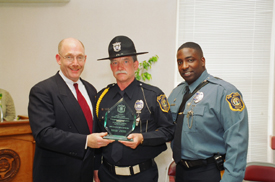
[67, 41]
[71, 58]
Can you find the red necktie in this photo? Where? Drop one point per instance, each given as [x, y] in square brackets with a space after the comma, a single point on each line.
[85, 107]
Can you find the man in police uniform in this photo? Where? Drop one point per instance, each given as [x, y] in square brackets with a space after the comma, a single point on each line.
[133, 160]
[212, 123]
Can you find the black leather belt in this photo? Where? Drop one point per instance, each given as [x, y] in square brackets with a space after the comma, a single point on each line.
[197, 163]
[128, 170]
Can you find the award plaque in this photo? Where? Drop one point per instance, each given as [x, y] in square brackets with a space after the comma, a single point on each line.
[119, 121]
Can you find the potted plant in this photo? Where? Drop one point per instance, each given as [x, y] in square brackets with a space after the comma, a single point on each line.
[141, 72]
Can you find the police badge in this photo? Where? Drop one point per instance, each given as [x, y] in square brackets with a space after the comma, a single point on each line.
[138, 107]
[117, 46]
[198, 97]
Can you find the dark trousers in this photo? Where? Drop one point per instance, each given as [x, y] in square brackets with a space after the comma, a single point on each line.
[150, 175]
[209, 173]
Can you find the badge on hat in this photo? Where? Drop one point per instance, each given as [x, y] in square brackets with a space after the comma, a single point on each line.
[117, 46]
[163, 103]
[235, 102]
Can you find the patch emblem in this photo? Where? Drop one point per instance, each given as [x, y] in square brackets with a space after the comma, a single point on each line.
[163, 103]
[235, 102]
[121, 108]
[117, 46]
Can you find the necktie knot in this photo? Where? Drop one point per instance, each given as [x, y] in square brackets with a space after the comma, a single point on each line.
[76, 86]
[187, 91]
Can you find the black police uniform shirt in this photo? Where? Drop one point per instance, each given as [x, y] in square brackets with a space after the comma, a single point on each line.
[157, 127]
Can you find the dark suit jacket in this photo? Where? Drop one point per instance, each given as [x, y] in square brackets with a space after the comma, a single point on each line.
[60, 129]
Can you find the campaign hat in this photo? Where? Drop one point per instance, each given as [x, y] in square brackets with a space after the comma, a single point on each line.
[121, 46]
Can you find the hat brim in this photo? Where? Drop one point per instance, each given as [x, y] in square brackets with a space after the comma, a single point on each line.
[129, 54]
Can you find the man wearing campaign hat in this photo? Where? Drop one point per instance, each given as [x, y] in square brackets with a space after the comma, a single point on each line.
[133, 160]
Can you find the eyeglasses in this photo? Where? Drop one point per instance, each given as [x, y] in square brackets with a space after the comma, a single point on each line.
[70, 58]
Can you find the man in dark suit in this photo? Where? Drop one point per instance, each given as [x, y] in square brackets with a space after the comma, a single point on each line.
[61, 124]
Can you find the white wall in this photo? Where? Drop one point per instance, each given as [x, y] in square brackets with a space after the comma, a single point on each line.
[29, 34]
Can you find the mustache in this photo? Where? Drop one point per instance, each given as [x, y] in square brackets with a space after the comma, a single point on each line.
[121, 71]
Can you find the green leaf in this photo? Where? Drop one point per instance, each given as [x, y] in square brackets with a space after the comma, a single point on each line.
[147, 76]
[138, 77]
[141, 72]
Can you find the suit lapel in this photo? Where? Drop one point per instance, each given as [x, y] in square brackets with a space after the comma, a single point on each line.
[71, 105]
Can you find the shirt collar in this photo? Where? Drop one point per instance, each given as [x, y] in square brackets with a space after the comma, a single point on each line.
[129, 91]
[196, 83]
[67, 80]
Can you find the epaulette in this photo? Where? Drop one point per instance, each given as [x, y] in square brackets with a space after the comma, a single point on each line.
[111, 85]
[226, 85]
[216, 80]
[181, 83]
[108, 86]
[149, 87]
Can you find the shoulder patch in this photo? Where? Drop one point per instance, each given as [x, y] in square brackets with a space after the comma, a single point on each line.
[235, 102]
[163, 103]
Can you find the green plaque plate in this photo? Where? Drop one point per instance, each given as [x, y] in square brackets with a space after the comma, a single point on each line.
[119, 121]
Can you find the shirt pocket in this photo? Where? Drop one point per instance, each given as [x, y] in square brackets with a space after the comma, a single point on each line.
[193, 123]
[146, 122]
[174, 112]
[174, 116]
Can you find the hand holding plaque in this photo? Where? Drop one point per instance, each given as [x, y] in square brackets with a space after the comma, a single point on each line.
[119, 121]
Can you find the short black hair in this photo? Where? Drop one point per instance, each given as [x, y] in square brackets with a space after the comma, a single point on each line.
[192, 45]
